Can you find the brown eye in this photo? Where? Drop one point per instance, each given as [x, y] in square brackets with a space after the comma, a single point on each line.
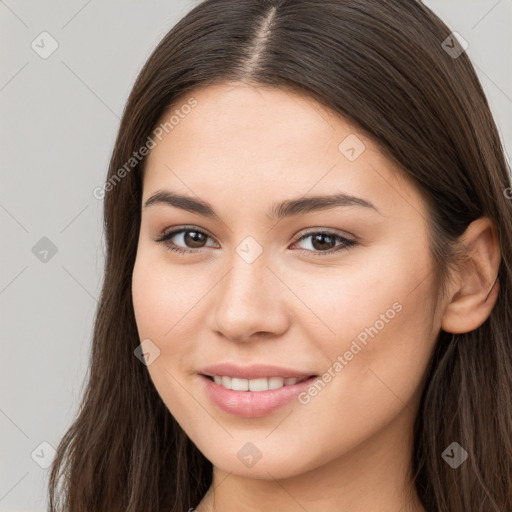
[194, 239]
[324, 242]
[189, 240]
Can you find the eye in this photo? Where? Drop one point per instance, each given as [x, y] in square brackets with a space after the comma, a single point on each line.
[322, 242]
[193, 236]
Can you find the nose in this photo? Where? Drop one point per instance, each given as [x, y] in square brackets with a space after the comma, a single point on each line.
[250, 302]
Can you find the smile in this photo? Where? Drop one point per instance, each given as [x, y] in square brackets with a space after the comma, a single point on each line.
[261, 384]
[253, 398]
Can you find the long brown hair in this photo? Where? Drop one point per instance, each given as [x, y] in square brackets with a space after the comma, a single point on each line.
[382, 65]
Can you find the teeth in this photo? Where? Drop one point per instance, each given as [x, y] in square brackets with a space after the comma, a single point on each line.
[239, 384]
[255, 384]
[262, 384]
[276, 382]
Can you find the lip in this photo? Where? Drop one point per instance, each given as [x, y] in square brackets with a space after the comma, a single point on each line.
[252, 404]
[255, 371]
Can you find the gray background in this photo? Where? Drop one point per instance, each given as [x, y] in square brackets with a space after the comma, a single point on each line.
[59, 118]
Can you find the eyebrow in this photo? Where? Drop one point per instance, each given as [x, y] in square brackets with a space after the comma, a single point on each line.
[287, 208]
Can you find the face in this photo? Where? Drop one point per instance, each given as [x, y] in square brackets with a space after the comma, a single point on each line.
[333, 293]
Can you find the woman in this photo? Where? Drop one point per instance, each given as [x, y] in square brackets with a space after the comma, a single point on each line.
[307, 294]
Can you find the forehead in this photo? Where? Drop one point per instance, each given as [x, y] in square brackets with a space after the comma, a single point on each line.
[253, 115]
[240, 144]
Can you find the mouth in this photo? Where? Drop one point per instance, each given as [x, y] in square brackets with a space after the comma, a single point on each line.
[256, 385]
[253, 398]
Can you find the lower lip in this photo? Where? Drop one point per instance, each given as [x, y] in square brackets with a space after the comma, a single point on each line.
[252, 404]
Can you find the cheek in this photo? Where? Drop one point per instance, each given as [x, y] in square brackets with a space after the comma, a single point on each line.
[167, 301]
[344, 303]
[163, 297]
[380, 342]
[161, 301]
[373, 310]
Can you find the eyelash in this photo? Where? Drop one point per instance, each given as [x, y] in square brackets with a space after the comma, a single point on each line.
[347, 243]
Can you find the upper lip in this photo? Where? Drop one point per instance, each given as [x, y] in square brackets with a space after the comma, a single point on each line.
[254, 371]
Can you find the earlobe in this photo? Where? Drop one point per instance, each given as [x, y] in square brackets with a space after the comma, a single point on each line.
[477, 287]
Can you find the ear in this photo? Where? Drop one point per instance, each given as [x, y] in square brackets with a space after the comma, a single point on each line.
[476, 287]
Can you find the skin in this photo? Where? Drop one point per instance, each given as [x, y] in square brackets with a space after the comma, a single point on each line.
[241, 149]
